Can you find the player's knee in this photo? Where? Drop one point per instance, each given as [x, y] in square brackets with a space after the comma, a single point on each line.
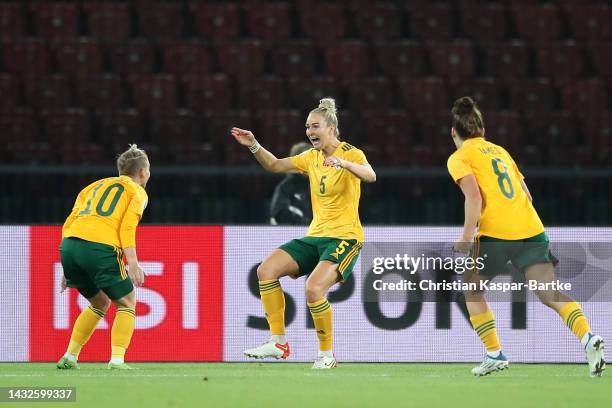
[547, 299]
[128, 301]
[314, 291]
[264, 272]
[100, 302]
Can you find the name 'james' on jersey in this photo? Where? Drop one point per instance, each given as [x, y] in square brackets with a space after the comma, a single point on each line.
[506, 211]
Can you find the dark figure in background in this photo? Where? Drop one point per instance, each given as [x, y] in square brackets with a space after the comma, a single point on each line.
[291, 200]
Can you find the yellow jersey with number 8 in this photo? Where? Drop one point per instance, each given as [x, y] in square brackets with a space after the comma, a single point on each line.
[506, 211]
[107, 211]
[334, 193]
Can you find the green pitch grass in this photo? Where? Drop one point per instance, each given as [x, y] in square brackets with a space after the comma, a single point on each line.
[297, 385]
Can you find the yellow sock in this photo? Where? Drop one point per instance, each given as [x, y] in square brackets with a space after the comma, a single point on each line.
[121, 333]
[322, 316]
[572, 315]
[484, 324]
[84, 327]
[273, 300]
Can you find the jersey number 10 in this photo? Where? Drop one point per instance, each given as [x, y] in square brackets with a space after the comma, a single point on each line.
[100, 207]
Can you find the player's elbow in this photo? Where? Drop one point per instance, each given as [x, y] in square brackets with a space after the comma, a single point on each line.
[371, 177]
[275, 166]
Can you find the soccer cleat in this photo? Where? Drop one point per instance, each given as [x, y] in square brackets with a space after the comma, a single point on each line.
[270, 349]
[66, 364]
[594, 351]
[323, 363]
[120, 366]
[490, 365]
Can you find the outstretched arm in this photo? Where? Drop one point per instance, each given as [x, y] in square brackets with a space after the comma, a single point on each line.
[267, 160]
[364, 172]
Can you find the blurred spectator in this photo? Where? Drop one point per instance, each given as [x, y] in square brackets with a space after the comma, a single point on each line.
[291, 200]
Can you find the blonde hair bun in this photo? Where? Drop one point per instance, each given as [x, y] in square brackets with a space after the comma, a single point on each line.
[329, 104]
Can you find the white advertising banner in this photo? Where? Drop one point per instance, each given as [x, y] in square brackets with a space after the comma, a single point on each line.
[394, 331]
[14, 292]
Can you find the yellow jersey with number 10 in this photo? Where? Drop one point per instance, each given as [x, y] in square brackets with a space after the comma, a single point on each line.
[107, 211]
[334, 192]
[506, 212]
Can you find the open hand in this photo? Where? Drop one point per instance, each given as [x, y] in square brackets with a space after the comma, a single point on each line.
[244, 137]
[333, 161]
[137, 275]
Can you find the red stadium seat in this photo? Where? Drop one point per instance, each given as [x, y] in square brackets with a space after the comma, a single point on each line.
[532, 96]
[590, 22]
[373, 93]
[324, 23]
[432, 21]
[390, 128]
[12, 21]
[538, 23]
[83, 153]
[30, 56]
[242, 59]
[100, 92]
[55, 20]
[379, 22]
[280, 129]
[348, 59]
[47, 91]
[485, 91]
[19, 127]
[219, 125]
[108, 21]
[135, 56]
[191, 57]
[263, 93]
[504, 128]
[553, 129]
[506, 60]
[216, 20]
[155, 94]
[562, 61]
[452, 60]
[602, 59]
[161, 20]
[119, 127]
[269, 21]
[597, 130]
[210, 93]
[484, 22]
[79, 57]
[403, 58]
[181, 127]
[585, 97]
[307, 91]
[10, 92]
[423, 97]
[294, 58]
[66, 126]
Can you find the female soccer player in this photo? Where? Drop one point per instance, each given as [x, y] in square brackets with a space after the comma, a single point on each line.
[99, 231]
[501, 222]
[330, 248]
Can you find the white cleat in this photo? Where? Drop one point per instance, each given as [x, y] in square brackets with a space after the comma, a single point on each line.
[323, 363]
[270, 349]
[490, 365]
[595, 355]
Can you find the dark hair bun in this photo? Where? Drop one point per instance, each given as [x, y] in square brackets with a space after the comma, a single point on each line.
[464, 105]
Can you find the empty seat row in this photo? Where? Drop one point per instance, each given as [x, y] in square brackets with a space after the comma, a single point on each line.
[347, 59]
[320, 21]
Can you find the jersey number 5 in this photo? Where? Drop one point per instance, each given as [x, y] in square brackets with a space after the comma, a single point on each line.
[100, 207]
[501, 170]
[322, 185]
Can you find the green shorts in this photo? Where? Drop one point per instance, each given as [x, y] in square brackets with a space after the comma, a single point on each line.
[309, 251]
[91, 267]
[495, 253]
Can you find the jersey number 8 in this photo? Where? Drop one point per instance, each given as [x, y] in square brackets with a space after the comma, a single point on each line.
[501, 170]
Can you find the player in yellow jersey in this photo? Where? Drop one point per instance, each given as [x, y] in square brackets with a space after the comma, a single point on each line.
[501, 223]
[98, 233]
[331, 246]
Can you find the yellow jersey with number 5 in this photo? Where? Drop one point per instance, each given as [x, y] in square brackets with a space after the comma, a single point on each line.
[107, 211]
[334, 193]
[506, 211]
